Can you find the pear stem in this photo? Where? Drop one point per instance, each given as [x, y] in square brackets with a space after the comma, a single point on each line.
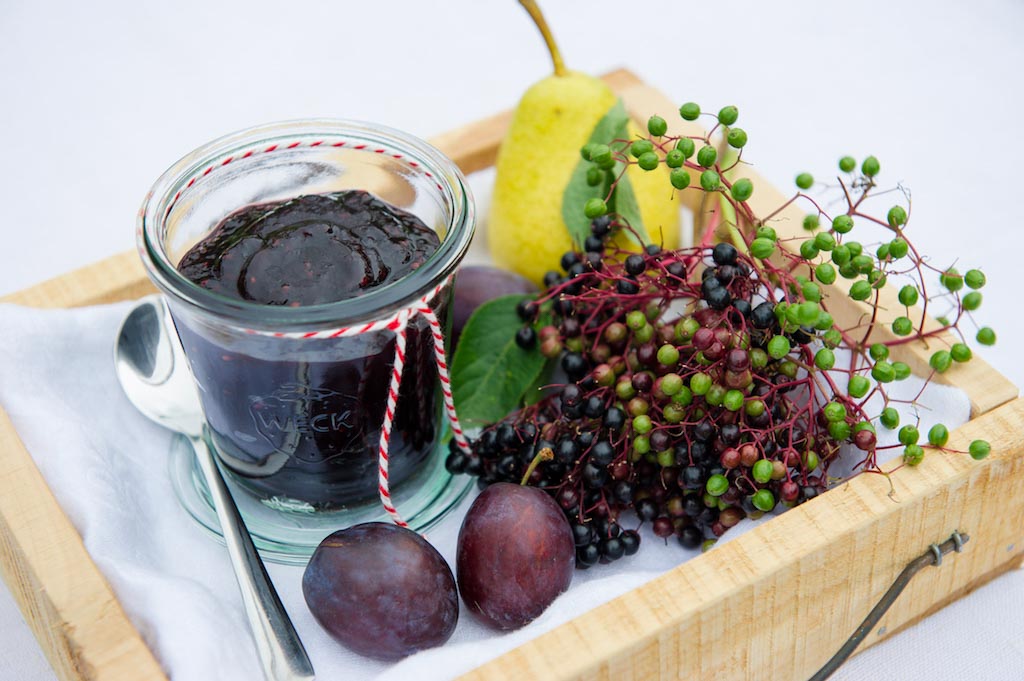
[556, 57]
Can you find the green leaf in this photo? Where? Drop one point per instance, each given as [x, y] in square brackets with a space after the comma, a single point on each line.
[624, 203]
[490, 373]
[613, 125]
[535, 393]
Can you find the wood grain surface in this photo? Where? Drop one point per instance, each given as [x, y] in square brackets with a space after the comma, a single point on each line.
[779, 599]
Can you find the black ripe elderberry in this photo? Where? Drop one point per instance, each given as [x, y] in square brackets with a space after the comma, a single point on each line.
[724, 254]
[526, 338]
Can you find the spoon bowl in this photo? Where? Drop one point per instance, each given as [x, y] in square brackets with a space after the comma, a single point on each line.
[153, 371]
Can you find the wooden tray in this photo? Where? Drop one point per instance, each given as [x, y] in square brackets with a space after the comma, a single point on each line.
[780, 599]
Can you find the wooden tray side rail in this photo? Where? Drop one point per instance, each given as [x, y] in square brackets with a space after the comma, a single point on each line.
[734, 610]
[777, 602]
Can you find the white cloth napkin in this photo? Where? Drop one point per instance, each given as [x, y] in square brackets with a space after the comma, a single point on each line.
[107, 466]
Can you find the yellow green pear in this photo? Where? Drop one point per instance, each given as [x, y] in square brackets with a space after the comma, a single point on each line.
[553, 121]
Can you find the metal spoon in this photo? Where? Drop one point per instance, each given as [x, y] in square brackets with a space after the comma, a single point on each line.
[155, 376]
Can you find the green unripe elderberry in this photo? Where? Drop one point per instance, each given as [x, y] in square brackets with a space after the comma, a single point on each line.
[859, 386]
[755, 408]
[913, 455]
[763, 500]
[938, 435]
[716, 395]
[595, 208]
[825, 273]
[952, 279]
[960, 353]
[841, 255]
[717, 485]
[902, 326]
[683, 398]
[709, 180]
[648, 160]
[908, 295]
[680, 178]
[737, 138]
[847, 164]
[668, 355]
[898, 248]
[728, 115]
[842, 224]
[600, 154]
[834, 412]
[743, 189]
[673, 413]
[733, 400]
[641, 444]
[824, 359]
[824, 241]
[687, 146]
[839, 430]
[909, 435]
[700, 383]
[971, 301]
[861, 290]
[635, 319]
[870, 166]
[890, 418]
[808, 251]
[940, 361]
[979, 449]
[986, 336]
[974, 279]
[706, 156]
[640, 147]
[810, 458]
[883, 372]
[897, 216]
[863, 263]
[804, 180]
[778, 347]
[762, 248]
[762, 471]
[689, 111]
[657, 126]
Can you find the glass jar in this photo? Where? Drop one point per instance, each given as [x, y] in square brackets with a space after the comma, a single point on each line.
[295, 416]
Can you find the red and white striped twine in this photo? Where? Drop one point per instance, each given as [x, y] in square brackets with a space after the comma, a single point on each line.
[398, 323]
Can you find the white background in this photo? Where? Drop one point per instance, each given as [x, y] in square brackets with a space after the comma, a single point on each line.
[96, 99]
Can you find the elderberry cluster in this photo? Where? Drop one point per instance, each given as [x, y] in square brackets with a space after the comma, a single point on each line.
[696, 387]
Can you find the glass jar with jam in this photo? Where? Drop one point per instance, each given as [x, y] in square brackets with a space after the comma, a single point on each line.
[267, 241]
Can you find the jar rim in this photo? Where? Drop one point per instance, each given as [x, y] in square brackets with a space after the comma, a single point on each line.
[371, 138]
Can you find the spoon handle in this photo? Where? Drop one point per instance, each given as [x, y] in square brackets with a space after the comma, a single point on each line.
[281, 652]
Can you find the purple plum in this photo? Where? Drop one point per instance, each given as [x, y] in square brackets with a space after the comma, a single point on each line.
[381, 590]
[515, 555]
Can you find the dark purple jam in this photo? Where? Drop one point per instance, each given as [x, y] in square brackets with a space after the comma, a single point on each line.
[308, 428]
